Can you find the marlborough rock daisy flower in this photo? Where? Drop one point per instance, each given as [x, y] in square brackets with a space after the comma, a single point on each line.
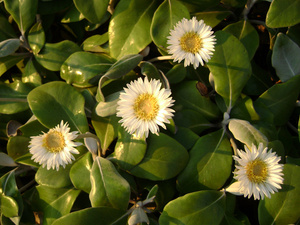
[258, 173]
[192, 41]
[55, 147]
[143, 106]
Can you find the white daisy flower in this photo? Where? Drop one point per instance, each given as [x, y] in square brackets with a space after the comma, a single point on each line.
[54, 148]
[143, 106]
[191, 40]
[258, 173]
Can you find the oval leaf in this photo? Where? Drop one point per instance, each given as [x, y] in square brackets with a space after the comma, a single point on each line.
[230, 67]
[50, 103]
[9, 206]
[108, 187]
[9, 46]
[164, 159]
[6, 160]
[205, 206]
[36, 37]
[209, 166]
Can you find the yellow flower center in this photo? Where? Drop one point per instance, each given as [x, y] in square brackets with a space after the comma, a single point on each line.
[190, 42]
[257, 171]
[54, 141]
[146, 107]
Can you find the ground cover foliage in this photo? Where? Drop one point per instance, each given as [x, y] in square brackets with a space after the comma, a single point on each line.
[69, 60]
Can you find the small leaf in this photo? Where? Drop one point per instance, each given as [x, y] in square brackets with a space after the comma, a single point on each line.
[108, 187]
[282, 208]
[94, 43]
[164, 159]
[138, 216]
[286, 57]
[230, 67]
[209, 165]
[109, 107]
[6, 160]
[9, 206]
[205, 206]
[164, 19]
[9, 46]
[246, 133]
[53, 56]
[50, 103]
[129, 27]
[283, 13]
[36, 37]
[31, 74]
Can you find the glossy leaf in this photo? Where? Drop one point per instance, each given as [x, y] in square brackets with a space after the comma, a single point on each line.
[165, 18]
[17, 146]
[282, 208]
[205, 206]
[186, 137]
[209, 165]
[106, 129]
[129, 150]
[283, 13]
[129, 27]
[53, 98]
[6, 160]
[212, 17]
[243, 131]
[23, 12]
[106, 215]
[6, 31]
[53, 56]
[248, 36]
[36, 37]
[230, 67]
[90, 12]
[138, 216]
[9, 206]
[244, 109]
[31, 74]
[285, 57]
[9, 46]
[280, 99]
[54, 202]
[109, 107]
[72, 15]
[108, 187]
[9, 61]
[164, 159]
[80, 173]
[94, 43]
[83, 69]
[13, 97]
[117, 70]
[182, 95]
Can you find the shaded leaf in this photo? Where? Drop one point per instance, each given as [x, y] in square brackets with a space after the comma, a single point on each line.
[9, 61]
[212, 17]
[9, 46]
[6, 160]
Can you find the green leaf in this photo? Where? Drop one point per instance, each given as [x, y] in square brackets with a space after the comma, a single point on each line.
[90, 12]
[282, 208]
[80, 173]
[9, 46]
[149, 70]
[212, 17]
[107, 216]
[109, 107]
[280, 99]
[53, 98]
[164, 159]
[230, 66]
[186, 137]
[9, 206]
[72, 15]
[17, 146]
[23, 12]
[243, 131]
[129, 27]
[138, 216]
[209, 166]
[94, 43]
[31, 74]
[245, 32]
[54, 202]
[52, 56]
[36, 37]
[129, 150]
[165, 18]
[52, 178]
[182, 95]
[244, 109]
[9, 61]
[283, 13]
[83, 69]
[285, 57]
[205, 206]
[108, 187]
[106, 129]
[13, 97]
[117, 70]
[6, 160]
[6, 30]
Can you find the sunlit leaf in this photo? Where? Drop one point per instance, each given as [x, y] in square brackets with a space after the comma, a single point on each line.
[36, 37]
[72, 15]
[212, 17]
[9, 61]
[31, 74]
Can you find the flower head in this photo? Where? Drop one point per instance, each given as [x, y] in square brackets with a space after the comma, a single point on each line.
[55, 147]
[258, 173]
[143, 106]
[191, 40]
